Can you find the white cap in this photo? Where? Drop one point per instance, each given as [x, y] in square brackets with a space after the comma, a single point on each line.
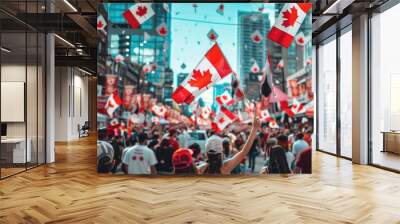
[214, 145]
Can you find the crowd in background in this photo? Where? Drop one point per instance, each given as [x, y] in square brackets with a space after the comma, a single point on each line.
[165, 150]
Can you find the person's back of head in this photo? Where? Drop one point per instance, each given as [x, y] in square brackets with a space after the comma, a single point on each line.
[195, 147]
[283, 141]
[214, 150]
[299, 136]
[277, 161]
[182, 161]
[142, 138]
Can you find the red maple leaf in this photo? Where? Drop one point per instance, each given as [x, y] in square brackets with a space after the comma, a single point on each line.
[290, 17]
[212, 36]
[224, 97]
[162, 30]
[256, 38]
[301, 40]
[221, 120]
[200, 80]
[141, 11]
[100, 25]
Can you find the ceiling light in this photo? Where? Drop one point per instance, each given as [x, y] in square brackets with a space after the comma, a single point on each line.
[84, 71]
[64, 40]
[5, 50]
[70, 5]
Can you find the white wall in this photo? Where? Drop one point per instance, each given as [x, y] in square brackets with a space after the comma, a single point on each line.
[71, 102]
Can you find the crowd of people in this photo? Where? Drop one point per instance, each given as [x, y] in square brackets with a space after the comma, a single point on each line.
[149, 151]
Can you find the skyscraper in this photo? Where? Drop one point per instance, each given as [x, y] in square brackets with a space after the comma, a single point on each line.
[249, 51]
[142, 46]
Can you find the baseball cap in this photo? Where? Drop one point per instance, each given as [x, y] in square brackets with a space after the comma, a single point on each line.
[214, 145]
[182, 158]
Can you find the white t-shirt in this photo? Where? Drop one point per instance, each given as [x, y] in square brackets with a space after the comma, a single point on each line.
[139, 159]
[290, 158]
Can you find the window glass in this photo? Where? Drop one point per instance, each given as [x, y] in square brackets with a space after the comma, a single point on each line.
[327, 97]
[346, 94]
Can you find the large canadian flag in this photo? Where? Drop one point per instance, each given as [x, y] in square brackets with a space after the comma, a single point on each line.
[138, 14]
[212, 68]
[225, 99]
[112, 104]
[288, 23]
[223, 119]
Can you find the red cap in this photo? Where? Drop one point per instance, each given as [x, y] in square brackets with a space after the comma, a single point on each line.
[182, 158]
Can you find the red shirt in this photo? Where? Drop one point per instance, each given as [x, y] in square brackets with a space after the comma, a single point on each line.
[173, 143]
[304, 161]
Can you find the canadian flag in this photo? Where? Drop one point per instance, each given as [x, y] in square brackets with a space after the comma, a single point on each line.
[297, 107]
[211, 69]
[101, 23]
[265, 116]
[223, 119]
[162, 29]
[284, 105]
[112, 104]
[138, 14]
[225, 99]
[159, 110]
[300, 39]
[255, 68]
[256, 37]
[288, 23]
[239, 94]
[273, 124]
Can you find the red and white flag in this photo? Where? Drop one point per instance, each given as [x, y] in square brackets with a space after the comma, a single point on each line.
[255, 68]
[300, 39]
[138, 14]
[211, 69]
[288, 23]
[256, 37]
[112, 104]
[265, 116]
[162, 29]
[159, 110]
[225, 99]
[273, 124]
[223, 119]
[297, 107]
[101, 23]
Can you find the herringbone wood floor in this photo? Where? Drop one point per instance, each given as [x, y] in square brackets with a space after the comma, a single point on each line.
[70, 191]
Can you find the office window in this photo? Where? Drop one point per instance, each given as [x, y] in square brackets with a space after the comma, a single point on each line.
[385, 84]
[327, 96]
[346, 94]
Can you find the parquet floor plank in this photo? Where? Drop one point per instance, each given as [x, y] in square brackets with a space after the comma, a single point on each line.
[70, 191]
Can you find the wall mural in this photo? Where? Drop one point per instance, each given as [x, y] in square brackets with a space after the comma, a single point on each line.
[204, 89]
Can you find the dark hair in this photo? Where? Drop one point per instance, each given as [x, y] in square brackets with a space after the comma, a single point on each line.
[282, 138]
[300, 136]
[214, 163]
[226, 146]
[142, 137]
[196, 149]
[277, 161]
[164, 143]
